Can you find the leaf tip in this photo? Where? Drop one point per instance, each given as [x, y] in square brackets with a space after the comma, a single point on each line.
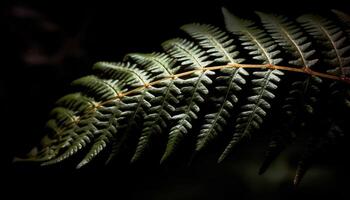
[221, 159]
[81, 164]
[224, 11]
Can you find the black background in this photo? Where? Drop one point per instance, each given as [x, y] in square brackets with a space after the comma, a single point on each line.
[107, 31]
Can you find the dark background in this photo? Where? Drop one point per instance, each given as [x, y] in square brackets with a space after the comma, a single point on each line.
[46, 45]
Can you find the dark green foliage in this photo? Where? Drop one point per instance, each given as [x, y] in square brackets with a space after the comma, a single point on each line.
[177, 94]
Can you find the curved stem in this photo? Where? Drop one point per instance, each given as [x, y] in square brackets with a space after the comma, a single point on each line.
[304, 70]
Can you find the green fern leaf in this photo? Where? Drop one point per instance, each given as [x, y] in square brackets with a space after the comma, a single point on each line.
[277, 144]
[255, 40]
[289, 36]
[253, 112]
[100, 143]
[216, 121]
[163, 106]
[101, 119]
[80, 141]
[345, 18]
[262, 48]
[331, 38]
[193, 89]
[335, 51]
[150, 97]
[219, 45]
[318, 145]
[76, 102]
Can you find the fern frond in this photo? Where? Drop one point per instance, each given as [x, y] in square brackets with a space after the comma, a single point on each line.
[101, 122]
[100, 89]
[262, 48]
[99, 144]
[193, 89]
[256, 41]
[216, 121]
[331, 37]
[63, 116]
[126, 74]
[77, 102]
[159, 65]
[89, 127]
[151, 97]
[334, 49]
[219, 45]
[81, 139]
[277, 144]
[254, 111]
[216, 42]
[317, 146]
[306, 160]
[345, 18]
[159, 115]
[289, 36]
[80, 130]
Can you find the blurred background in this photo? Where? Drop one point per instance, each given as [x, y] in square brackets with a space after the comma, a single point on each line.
[47, 45]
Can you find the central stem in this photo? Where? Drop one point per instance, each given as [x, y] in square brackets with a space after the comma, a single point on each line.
[213, 68]
[236, 65]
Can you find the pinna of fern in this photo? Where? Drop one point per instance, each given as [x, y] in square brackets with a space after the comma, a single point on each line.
[217, 80]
